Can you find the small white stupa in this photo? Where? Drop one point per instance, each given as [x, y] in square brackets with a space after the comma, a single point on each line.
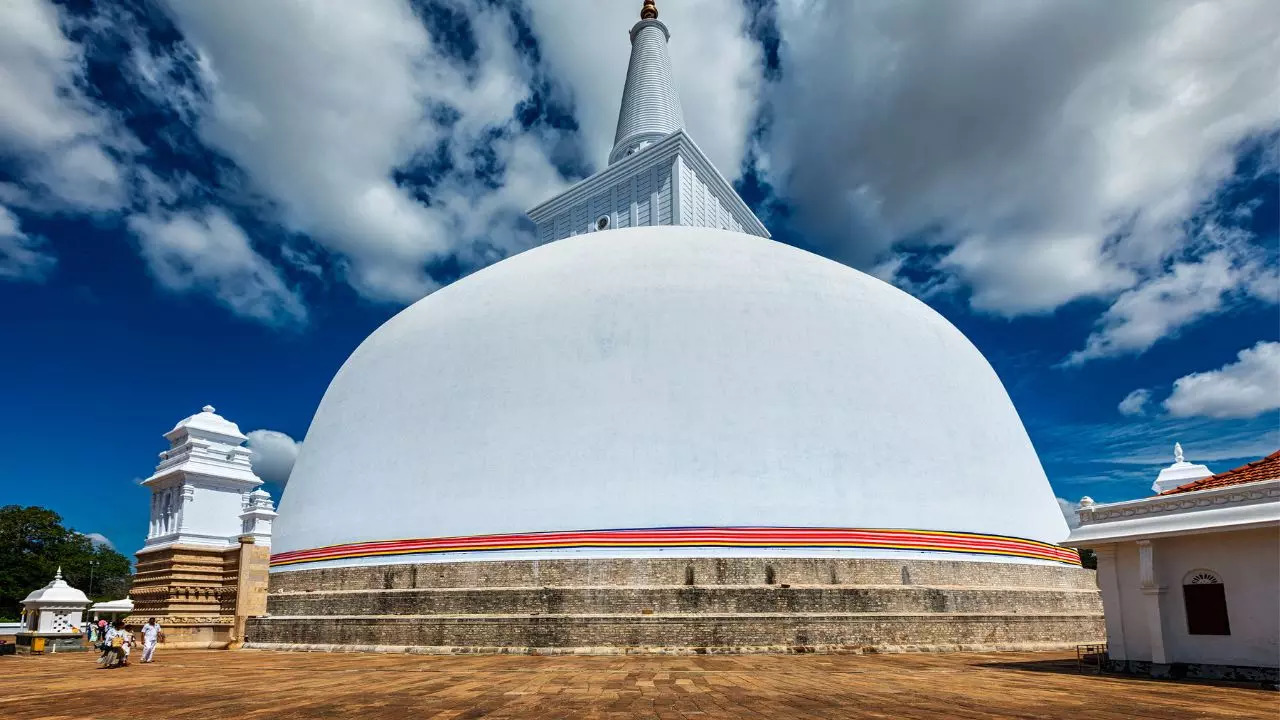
[52, 616]
[1180, 472]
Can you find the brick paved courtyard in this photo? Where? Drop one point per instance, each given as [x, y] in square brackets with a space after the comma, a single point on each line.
[248, 684]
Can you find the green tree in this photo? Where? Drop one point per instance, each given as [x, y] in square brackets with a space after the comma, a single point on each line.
[1089, 559]
[34, 543]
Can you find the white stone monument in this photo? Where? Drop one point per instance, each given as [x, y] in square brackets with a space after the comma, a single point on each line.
[53, 614]
[201, 486]
[1180, 472]
[204, 565]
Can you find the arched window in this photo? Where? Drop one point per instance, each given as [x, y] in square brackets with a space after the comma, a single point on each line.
[1206, 600]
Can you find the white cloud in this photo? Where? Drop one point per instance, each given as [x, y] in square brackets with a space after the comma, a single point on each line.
[100, 539]
[273, 455]
[1148, 444]
[1069, 509]
[321, 108]
[1246, 388]
[715, 64]
[1053, 150]
[1188, 291]
[1041, 153]
[1135, 403]
[22, 257]
[61, 139]
[208, 252]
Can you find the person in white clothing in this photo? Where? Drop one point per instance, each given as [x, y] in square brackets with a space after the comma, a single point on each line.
[151, 634]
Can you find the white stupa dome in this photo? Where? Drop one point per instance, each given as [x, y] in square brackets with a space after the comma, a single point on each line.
[669, 377]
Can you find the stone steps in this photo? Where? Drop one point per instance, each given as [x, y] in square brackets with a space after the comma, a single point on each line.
[680, 632]
[680, 599]
[699, 572]
[736, 604]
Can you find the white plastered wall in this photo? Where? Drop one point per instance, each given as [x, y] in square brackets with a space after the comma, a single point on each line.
[1247, 562]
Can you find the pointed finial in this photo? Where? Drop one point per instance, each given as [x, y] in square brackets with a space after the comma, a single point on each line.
[649, 11]
[207, 408]
[58, 575]
[1177, 452]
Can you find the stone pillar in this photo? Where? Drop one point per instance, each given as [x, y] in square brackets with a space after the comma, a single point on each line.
[251, 585]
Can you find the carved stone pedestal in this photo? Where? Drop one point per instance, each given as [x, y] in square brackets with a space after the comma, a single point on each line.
[200, 595]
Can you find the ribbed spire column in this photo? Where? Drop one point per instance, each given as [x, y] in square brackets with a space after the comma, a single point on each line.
[650, 106]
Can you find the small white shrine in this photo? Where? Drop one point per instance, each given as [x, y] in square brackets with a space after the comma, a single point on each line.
[111, 610]
[52, 617]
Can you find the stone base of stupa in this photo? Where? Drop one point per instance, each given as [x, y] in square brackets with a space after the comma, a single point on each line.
[680, 605]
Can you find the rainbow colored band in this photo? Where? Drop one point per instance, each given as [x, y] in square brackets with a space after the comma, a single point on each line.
[727, 537]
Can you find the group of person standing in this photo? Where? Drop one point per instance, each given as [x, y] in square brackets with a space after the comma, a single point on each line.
[116, 642]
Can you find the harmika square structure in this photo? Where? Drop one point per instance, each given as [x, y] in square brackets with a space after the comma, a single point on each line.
[1190, 578]
[662, 430]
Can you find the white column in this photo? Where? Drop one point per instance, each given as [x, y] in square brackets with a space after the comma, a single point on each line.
[635, 200]
[677, 216]
[1153, 601]
[1112, 605]
[166, 511]
[187, 494]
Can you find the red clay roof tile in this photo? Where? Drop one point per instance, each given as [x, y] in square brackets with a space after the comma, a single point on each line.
[1268, 468]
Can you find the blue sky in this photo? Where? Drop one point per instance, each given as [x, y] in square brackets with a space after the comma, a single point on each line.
[216, 202]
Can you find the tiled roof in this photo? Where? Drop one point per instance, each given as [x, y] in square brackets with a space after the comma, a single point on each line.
[1268, 468]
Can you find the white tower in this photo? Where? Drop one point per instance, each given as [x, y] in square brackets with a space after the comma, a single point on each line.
[201, 490]
[650, 106]
[656, 174]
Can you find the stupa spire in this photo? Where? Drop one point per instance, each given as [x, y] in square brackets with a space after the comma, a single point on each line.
[650, 106]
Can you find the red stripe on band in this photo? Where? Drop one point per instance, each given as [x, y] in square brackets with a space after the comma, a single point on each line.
[741, 537]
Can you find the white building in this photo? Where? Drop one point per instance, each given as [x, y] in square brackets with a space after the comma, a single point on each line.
[52, 616]
[1190, 578]
[111, 610]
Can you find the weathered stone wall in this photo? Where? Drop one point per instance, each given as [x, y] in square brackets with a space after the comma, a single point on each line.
[681, 605]
[710, 633]
[644, 572]
[722, 599]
